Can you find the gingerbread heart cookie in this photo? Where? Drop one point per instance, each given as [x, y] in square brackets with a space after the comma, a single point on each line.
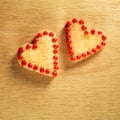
[81, 41]
[42, 55]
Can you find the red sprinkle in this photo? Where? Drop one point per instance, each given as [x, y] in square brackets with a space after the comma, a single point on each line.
[81, 22]
[92, 31]
[39, 35]
[78, 57]
[68, 23]
[73, 59]
[20, 57]
[35, 67]
[34, 46]
[47, 71]
[55, 46]
[20, 50]
[55, 51]
[42, 70]
[93, 50]
[54, 74]
[45, 33]
[88, 53]
[23, 63]
[69, 47]
[68, 41]
[29, 65]
[67, 29]
[74, 20]
[83, 27]
[83, 55]
[54, 40]
[28, 46]
[35, 40]
[98, 46]
[99, 32]
[86, 32]
[71, 52]
[68, 36]
[55, 62]
[104, 37]
[55, 57]
[51, 34]
[103, 43]
[56, 68]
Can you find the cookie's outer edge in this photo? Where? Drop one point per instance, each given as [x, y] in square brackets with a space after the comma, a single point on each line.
[20, 59]
[84, 28]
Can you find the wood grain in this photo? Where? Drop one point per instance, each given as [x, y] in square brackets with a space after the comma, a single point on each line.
[88, 90]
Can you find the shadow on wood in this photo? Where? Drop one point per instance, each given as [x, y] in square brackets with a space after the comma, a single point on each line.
[28, 76]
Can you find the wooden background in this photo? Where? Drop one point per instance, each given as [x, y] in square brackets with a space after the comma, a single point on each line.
[88, 90]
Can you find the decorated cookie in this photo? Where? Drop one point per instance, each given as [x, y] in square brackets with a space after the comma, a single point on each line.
[42, 55]
[81, 41]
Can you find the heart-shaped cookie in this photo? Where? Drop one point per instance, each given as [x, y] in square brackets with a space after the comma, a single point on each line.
[42, 55]
[81, 41]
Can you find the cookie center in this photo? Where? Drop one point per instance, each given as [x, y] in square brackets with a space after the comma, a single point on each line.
[82, 43]
[43, 55]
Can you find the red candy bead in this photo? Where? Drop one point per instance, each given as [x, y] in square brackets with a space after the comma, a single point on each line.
[20, 57]
[55, 51]
[55, 46]
[55, 57]
[54, 74]
[83, 27]
[42, 70]
[56, 68]
[29, 65]
[86, 32]
[68, 23]
[47, 71]
[20, 50]
[103, 43]
[55, 62]
[34, 46]
[35, 40]
[81, 22]
[73, 59]
[92, 31]
[35, 67]
[71, 53]
[99, 32]
[68, 36]
[78, 57]
[69, 47]
[23, 63]
[54, 40]
[45, 33]
[83, 55]
[67, 30]
[104, 37]
[28, 46]
[98, 46]
[88, 53]
[51, 34]
[39, 35]
[68, 41]
[74, 20]
[93, 50]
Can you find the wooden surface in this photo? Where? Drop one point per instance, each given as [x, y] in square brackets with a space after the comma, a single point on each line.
[88, 90]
